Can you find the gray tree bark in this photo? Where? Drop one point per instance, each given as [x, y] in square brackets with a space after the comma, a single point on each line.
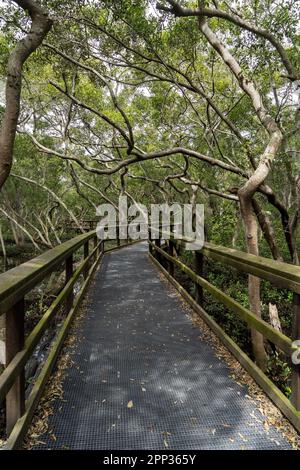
[40, 26]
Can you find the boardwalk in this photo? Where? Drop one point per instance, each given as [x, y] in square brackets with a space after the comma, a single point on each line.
[143, 379]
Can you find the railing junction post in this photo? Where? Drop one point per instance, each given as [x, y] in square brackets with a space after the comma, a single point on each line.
[85, 255]
[199, 271]
[69, 273]
[171, 253]
[14, 341]
[118, 235]
[295, 398]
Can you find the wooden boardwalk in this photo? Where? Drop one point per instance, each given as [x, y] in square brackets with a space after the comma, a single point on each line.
[142, 377]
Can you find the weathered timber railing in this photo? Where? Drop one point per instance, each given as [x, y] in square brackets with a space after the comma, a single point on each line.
[14, 285]
[281, 274]
[86, 225]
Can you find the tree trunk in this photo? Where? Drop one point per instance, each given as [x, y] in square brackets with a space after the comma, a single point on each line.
[267, 230]
[250, 223]
[40, 26]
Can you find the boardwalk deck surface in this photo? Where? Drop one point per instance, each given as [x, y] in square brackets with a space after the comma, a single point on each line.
[143, 379]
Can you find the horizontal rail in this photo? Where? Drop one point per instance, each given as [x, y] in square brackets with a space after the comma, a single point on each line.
[280, 274]
[283, 275]
[19, 431]
[264, 382]
[276, 337]
[19, 411]
[11, 372]
[17, 282]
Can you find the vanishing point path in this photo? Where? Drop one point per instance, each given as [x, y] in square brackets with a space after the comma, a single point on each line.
[142, 377]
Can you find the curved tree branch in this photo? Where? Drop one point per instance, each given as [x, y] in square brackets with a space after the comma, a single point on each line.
[177, 10]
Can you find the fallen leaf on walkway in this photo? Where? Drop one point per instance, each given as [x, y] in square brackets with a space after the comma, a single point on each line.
[242, 437]
[130, 404]
[37, 442]
[266, 426]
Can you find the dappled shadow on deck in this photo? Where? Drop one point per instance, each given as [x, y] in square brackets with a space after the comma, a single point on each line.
[138, 347]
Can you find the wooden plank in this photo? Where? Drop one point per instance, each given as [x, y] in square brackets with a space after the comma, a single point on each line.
[14, 341]
[278, 398]
[279, 339]
[17, 282]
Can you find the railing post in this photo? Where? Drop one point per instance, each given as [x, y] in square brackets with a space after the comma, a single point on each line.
[14, 341]
[95, 243]
[199, 271]
[85, 255]
[69, 273]
[295, 398]
[171, 253]
[149, 242]
[118, 236]
[156, 253]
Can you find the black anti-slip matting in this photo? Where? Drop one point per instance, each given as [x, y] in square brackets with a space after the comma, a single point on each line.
[142, 378]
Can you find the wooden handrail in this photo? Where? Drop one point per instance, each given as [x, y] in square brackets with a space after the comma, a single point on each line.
[281, 274]
[15, 366]
[279, 339]
[14, 285]
[17, 282]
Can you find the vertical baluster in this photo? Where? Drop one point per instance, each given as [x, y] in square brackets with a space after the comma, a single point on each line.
[171, 253]
[150, 240]
[85, 255]
[14, 341]
[157, 254]
[95, 242]
[118, 236]
[296, 367]
[69, 273]
[199, 271]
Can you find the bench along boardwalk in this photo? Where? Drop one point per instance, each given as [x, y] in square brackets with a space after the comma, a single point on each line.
[142, 377]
